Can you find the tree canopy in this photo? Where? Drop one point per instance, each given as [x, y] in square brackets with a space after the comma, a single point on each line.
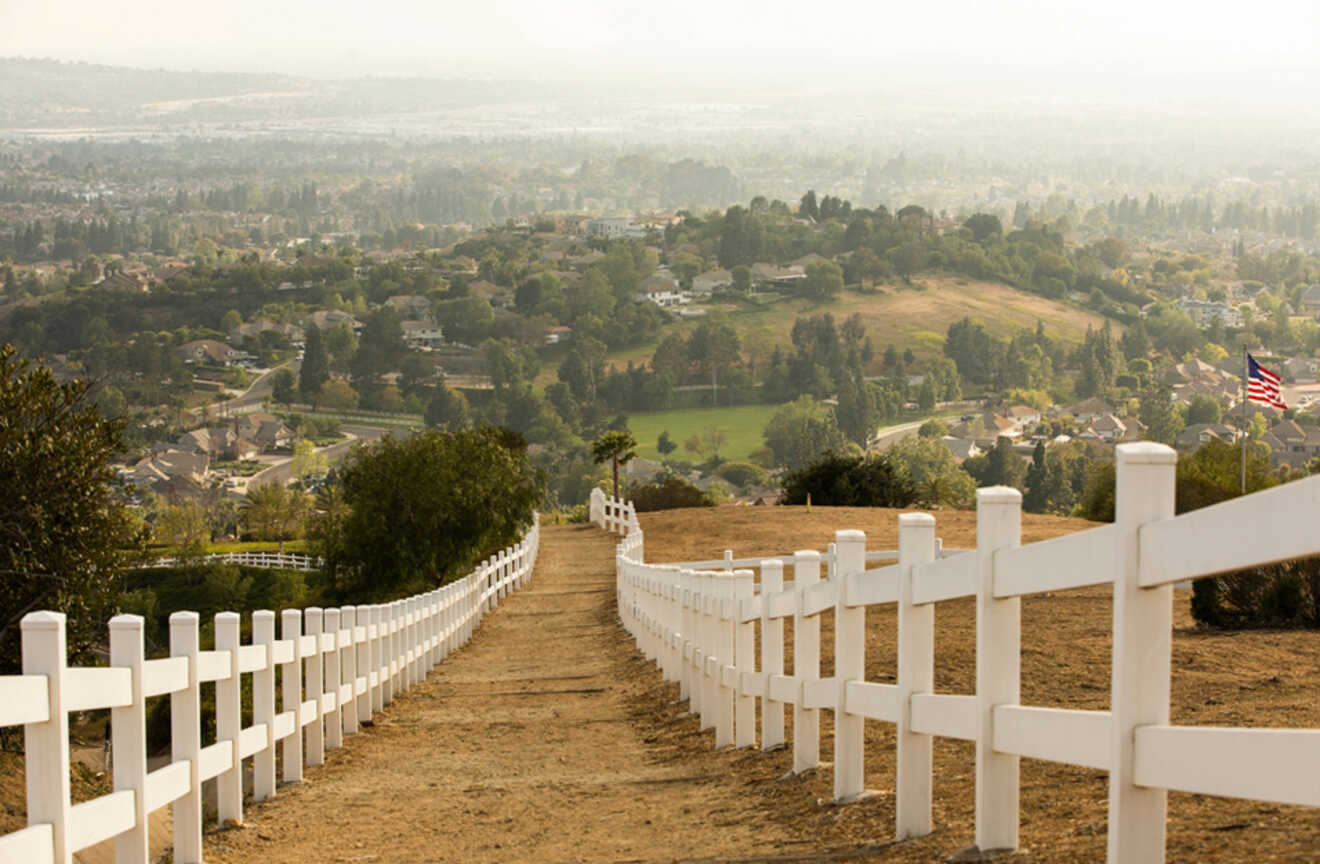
[420, 510]
[64, 536]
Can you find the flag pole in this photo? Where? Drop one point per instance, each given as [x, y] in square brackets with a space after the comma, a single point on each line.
[1245, 373]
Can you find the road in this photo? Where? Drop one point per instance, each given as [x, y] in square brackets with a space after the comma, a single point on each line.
[882, 439]
[280, 472]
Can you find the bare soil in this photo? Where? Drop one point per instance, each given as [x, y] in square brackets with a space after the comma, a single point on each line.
[548, 739]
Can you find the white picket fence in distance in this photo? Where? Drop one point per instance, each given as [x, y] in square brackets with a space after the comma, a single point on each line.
[262, 559]
[699, 620]
[337, 667]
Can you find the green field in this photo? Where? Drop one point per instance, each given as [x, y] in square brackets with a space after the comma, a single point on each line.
[742, 425]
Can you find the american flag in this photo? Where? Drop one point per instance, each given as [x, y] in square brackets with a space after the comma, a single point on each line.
[1263, 385]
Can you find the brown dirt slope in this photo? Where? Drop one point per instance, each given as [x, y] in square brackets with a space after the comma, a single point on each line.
[1257, 678]
[536, 742]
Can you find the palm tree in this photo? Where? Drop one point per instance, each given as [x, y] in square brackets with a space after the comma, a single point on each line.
[617, 447]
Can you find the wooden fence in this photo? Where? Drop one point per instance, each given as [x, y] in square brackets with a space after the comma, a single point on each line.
[267, 560]
[337, 667]
[700, 626]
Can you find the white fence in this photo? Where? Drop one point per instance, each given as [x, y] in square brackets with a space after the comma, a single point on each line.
[700, 627]
[337, 668]
[267, 560]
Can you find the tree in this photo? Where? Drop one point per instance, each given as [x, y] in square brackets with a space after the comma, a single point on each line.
[283, 387]
[418, 511]
[742, 278]
[714, 346]
[999, 467]
[64, 537]
[802, 431]
[1159, 414]
[824, 280]
[984, 226]
[933, 473]
[715, 438]
[337, 395]
[1203, 409]
[183, 524]
[315, 370]
[615, 447]
[665, 444]
[447, 408]
[276, 512]
[306, 461]
[835, 480]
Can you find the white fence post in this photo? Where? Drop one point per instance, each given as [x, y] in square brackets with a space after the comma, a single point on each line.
[186, 740]
[687, 682]
[1143, 639]
[723, 657]
[998, 668]
[377, 676]
[263, 705]
[46, 745]
[709, 636]
[849, 665]
[229, 721]
[772, 655]
[334, 723]
[363, 665]
[314, 670]
[291, 696]
[744, 659]
[806, 664]
[128, 732]
[348, 714]
[916, 674]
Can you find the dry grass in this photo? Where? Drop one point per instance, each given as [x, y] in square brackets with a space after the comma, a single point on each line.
[1258, 678]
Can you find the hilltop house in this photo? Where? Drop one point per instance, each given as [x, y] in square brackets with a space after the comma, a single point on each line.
[557, 334]
[1293, 444]
[1090, 409]
[705, 284]
[422, 334]
[1311, 300]
[209, 352]
[778, 277]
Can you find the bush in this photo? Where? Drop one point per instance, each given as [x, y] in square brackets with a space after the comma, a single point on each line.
[667, 493]
[744, 474]
[849, 481]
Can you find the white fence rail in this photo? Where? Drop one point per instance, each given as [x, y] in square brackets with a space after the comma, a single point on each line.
[699, 624]
[337, 668]
[267, 560]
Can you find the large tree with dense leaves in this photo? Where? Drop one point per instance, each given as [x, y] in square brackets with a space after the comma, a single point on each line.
[64, 536]
[421, 510]
[315, 369]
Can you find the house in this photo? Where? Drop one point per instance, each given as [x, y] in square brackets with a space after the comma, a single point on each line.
[662, 289]
[422, 334]
[410, 305]
[1301, 369]
[1108, 429]
[1090, 409]
[1292, 443]
[780, 277]
[326, 319]
[1023, 416]
[209, 352]
[170, 471]
[615, 227]
[264, 430]
[1204, 312]
[705, 284]
[118, 280]
[961, 448]
[1197, 434]
[1311, 300]
[558, 334]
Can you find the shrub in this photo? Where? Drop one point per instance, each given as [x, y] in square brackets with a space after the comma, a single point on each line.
[849, 481]
[667, 493]
[744, 474]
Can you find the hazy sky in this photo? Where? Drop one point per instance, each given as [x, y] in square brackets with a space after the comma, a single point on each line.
[812, 42]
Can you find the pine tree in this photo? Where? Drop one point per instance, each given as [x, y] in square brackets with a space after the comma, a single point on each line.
[315, 369]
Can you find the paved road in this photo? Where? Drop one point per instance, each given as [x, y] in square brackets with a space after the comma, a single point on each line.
[280, 472]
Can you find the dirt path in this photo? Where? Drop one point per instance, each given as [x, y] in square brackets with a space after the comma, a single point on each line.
[545, 739]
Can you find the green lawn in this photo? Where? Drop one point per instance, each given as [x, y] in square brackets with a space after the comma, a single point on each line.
[742, 424]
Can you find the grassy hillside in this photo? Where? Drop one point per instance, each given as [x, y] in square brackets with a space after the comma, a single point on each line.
[906, 317]
[742, 424]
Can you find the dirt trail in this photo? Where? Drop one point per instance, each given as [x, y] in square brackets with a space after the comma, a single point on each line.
[545, 739]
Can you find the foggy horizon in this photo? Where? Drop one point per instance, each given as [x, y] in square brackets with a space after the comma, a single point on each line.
[1126, 54]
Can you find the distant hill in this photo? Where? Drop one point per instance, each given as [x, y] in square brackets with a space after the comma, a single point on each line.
[60, 95]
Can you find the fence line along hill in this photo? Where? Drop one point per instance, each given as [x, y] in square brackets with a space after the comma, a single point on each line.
[1020, 718]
